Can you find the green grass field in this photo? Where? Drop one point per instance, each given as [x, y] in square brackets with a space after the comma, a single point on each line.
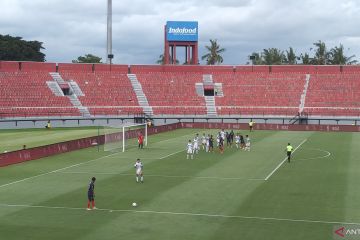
[11, 140]
[213, 196]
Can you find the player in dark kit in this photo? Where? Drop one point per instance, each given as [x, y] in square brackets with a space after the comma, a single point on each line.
[91, 194]
[211, 144]
[221, 145]
[228, 139]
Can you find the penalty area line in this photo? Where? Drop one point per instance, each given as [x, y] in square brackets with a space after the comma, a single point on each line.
[75, 165]
[280, 164]
[55, 171]
[181, 214]
[167, 176]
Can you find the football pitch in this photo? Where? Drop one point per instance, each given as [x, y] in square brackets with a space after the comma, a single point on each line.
[235, 195]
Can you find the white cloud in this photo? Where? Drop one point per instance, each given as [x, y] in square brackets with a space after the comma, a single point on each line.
[73, 28]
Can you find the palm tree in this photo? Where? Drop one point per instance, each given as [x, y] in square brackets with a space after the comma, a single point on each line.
[214, 55]
[322, 56]
[337, 57]
[290, 56]
[161, 60]
[306, 60]
[273, 56]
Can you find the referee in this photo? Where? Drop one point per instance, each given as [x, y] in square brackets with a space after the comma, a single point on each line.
[289, 150]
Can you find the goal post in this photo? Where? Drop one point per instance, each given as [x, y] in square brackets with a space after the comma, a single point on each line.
[131, 135]
[122, 137]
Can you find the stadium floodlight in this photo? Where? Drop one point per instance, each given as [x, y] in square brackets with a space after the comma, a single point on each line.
[109, 32]
[124, 136]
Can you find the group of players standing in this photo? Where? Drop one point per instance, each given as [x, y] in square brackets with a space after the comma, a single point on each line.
[207, 142]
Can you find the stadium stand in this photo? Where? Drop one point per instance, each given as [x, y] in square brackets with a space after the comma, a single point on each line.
[171, 90]
[260, 93]
[105, 93]
[334, 95]
[26, 94]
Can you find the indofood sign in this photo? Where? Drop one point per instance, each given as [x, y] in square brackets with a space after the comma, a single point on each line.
[182, 31]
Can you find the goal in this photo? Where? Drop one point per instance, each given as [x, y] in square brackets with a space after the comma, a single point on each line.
[121, 138]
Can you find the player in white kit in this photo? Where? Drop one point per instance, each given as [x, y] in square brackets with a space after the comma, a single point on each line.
[196, 144]
[207, 144]
[223, 134]
[237, 141]
[139, 171]
[247, 143]
[203, 141]
[189, 150]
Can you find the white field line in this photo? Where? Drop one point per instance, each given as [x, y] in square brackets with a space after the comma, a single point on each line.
[55, 171]
[182, 214]
[172, 154]
[328, 154]
[167, 176]
[75, 165]
[278, 166]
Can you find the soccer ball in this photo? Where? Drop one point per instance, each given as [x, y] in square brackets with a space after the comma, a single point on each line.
[134, 204]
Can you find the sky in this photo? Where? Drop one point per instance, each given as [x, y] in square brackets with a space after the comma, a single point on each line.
[74, 28]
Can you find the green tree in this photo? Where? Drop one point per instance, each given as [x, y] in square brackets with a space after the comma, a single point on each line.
[322, 56]
[306, 60]
[88, 58]
[273, 56]
[256, 59]
[214, 53]
[17, 49]
[161, 60]
[337, 56]
[290, 57]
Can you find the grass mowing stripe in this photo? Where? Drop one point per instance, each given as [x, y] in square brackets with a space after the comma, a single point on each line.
[78, 164]
[167, 176]
[54, 171]
[183, 214]
[280, 164]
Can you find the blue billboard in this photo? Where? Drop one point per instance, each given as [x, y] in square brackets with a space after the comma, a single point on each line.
[182, 31]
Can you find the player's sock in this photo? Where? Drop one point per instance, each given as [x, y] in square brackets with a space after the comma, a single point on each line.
[187, 156]
[142, 178]
[93, 204]
[88, 204]
[137, 179]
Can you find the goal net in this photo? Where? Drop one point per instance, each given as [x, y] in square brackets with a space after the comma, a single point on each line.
[121, 138]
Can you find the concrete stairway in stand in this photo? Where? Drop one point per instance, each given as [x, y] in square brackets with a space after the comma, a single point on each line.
[209, 100]
[74, 92]
[303, 95]
[143, 102]
[210, 106]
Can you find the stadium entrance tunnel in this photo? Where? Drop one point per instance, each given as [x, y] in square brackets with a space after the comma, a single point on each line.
[65, 88]
[209, 90]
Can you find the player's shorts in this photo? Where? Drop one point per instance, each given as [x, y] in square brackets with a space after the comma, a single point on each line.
[204, 142]
[91, 196]
[189, 151]
[196, 146]
[237, 141]
[289, 154]
[138, 171]
[247, 144]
